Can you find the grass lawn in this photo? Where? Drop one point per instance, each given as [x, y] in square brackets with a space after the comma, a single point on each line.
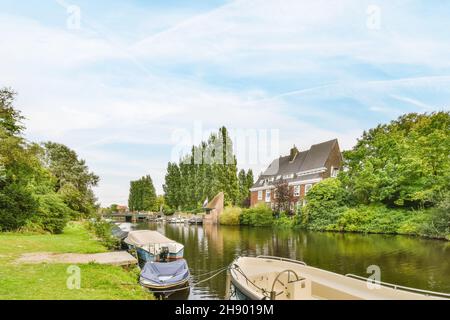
[48, 281]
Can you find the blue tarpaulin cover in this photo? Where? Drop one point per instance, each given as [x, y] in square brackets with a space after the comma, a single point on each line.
[165, 273]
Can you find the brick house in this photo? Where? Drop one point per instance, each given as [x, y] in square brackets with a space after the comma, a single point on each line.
[301, 170]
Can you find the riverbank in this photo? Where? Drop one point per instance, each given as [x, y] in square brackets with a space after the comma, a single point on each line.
[49, 281]
[372, 219]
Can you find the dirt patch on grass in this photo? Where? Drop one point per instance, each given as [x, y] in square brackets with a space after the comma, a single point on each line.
[119, 258]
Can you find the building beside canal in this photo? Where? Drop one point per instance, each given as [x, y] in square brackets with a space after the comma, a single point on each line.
[300, 170]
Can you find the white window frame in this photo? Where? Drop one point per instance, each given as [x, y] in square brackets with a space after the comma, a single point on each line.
[268, 193]
[334, 172]
[260, 195]
[288, 176]
[297, 191]
[307, 188]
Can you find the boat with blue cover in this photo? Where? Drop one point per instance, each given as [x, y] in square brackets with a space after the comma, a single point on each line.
[153, 246]
[164, 275]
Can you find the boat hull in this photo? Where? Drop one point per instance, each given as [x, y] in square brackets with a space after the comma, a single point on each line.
[146, 256]
[273, 278]
[164, 275]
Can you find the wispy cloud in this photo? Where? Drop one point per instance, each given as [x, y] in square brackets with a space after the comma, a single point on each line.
[133, 74]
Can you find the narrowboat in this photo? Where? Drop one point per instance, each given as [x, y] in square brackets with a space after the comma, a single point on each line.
[153, 246]
[275, 278]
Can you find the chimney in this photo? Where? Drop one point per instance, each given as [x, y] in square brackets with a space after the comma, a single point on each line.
[293, 154]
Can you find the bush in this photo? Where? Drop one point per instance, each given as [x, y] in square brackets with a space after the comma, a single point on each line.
[231, 216]
[438, 223]
[284, 221]
[325, 203]
[52, 214]
[103, 231]
[168, 211]
[259, 216]
[16, 207]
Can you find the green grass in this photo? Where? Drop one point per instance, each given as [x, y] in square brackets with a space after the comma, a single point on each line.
[48, 281]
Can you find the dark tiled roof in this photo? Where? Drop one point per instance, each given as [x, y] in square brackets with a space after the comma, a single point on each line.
[314, 158]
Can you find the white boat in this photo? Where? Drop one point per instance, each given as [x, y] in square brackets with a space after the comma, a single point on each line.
[153, 246]
[274, 278]
[125, 226]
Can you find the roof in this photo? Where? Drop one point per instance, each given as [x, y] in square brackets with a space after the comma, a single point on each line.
[144, 237]
[214, 202]
[314, 158]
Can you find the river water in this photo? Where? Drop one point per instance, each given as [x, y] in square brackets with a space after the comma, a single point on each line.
[403, 260]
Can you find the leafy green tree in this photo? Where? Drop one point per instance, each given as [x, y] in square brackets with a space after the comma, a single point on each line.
[402, 164]
[208, 169]
[10, 119]
[325, 202]
[74, 181]
[142, 195]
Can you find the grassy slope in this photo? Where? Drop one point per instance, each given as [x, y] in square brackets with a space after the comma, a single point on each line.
[48, 281]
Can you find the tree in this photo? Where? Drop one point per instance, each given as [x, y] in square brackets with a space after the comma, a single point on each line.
[209, 168]
[402, 164]
[10, 119]
[142, 195]
[74, 181]
[283, 196]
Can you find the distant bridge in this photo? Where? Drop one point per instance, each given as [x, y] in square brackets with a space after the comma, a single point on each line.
[130, 216]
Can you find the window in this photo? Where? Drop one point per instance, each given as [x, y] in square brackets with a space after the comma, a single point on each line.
[296, 191]
[260, 195]
[307, 188]
[334, 172]
[267, 195]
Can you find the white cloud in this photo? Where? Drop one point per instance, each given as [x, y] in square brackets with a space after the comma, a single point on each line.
[90, 88]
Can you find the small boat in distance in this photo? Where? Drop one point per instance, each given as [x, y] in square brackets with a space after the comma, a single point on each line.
[196, 220]
[153, 246]
[164, 276]
[275, 278]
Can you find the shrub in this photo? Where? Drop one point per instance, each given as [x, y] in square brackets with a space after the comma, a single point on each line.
[16, 207]
[325, 203]
[438, 223]
[103, 231]
[259, 216]
[231, 216]
[52, 214]
[284, 221]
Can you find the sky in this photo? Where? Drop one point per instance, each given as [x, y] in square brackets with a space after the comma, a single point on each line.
[129, 84]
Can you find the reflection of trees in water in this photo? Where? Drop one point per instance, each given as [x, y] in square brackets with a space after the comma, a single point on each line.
[409, 261]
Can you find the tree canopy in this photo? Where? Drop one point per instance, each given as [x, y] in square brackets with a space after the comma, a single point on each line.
[34, 190]
[142, 195]
[210, 168]
[404, 163]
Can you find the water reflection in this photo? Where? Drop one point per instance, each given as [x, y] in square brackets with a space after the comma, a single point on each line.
[414, 262]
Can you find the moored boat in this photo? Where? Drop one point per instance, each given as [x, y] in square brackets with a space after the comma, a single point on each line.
[153, 246]
[274, 278]
[196, 220]
[164, 276]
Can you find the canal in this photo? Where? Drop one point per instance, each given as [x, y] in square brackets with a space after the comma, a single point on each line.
[413, 262]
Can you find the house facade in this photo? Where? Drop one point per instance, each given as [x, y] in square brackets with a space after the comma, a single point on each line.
[300, 170]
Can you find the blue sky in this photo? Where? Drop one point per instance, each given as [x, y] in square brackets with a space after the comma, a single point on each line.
[121, 88]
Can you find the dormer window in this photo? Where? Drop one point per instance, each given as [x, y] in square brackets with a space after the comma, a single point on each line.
[334, 172]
